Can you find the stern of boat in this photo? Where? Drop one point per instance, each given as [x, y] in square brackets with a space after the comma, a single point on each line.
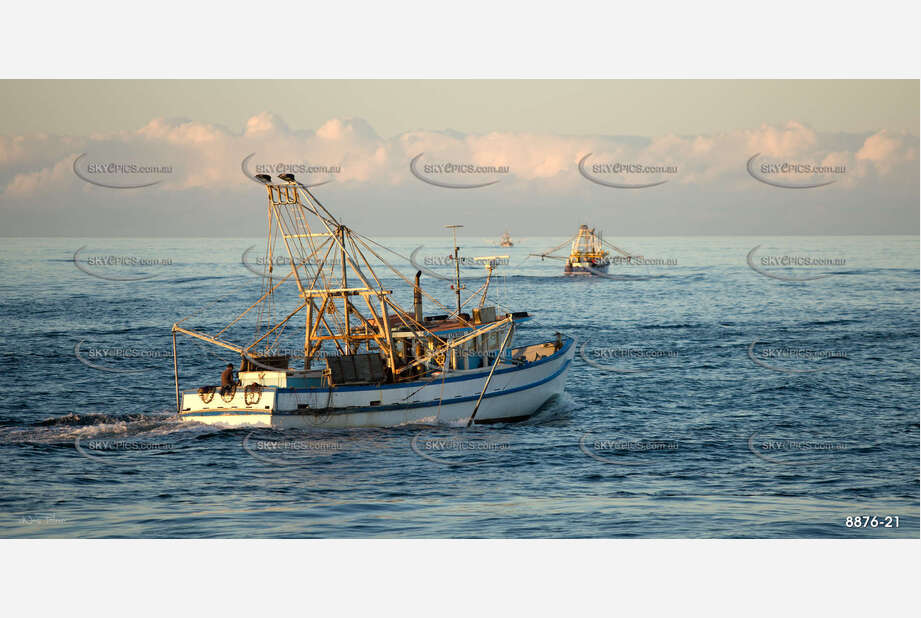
[243, 405]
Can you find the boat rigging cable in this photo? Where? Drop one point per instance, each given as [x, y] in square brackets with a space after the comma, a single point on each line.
[304, 251]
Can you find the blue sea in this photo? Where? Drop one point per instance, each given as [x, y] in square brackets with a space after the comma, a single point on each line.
[732, 387]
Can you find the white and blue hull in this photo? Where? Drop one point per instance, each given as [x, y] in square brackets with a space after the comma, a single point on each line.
[515, 393]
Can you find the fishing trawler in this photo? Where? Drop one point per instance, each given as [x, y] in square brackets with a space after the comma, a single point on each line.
[506, 240]
[377, 364]
[587, 254]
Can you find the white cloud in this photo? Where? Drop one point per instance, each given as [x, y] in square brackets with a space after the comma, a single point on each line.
[889, 152]
[206, 159]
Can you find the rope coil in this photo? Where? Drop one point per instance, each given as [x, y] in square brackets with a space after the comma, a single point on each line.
[206, 393]
[252, 394]
[228, 394]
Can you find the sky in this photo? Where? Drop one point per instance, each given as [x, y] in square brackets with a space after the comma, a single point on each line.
[634, 157]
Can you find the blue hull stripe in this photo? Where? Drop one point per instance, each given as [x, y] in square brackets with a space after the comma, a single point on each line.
[475, 376]
[396, 406]
[567, 344]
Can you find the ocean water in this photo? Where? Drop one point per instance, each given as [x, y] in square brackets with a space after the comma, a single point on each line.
[707, 399]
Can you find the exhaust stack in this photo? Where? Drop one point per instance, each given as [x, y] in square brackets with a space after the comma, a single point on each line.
[417, 298]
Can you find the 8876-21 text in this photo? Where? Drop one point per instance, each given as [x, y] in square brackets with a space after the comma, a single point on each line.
[872, 521]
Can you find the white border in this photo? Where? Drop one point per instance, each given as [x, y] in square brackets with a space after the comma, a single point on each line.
[169, 39]
[474, 38]
[459, 578]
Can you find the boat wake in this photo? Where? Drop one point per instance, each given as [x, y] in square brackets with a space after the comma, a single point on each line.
[67, 428]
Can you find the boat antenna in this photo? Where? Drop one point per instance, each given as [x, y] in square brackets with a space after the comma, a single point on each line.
[490, 262]
[457, 281]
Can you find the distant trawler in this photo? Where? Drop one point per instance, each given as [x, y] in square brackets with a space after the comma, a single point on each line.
[506, 240]
[587, 255]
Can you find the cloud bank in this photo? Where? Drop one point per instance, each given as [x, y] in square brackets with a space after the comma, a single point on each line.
[705, 184]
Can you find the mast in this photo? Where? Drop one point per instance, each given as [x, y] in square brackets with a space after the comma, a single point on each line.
[457, 283]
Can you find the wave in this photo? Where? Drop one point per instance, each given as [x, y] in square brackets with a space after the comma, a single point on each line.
[82, 420]
[196, 279]
[830, 322]
[669, 326]
[67, 428]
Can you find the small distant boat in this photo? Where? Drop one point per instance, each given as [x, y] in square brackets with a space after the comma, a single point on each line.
[384, 365]
[506, 240]
[587, 255]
